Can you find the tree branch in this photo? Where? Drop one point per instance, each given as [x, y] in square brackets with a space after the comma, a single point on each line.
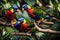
[22, 34]
[9, 24]
[38, 28]
[56, 19]
[48, 23]
[4, 23]
[46, 30]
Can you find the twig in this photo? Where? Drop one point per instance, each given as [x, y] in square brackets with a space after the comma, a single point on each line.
[21, 34]
[46, 30]
[4, 23]
[48, 23]
[56, 19]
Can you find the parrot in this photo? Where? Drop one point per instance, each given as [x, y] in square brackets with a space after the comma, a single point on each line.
[36, 14]
[21, 25]
[25, 13]
[31, 12]
[9, 16]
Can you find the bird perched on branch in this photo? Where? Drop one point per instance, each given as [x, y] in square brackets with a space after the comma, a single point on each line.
[36, 14]
[22, 25]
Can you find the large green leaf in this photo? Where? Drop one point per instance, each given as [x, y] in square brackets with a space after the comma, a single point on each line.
[59, 7]
[56, 26]
[30, 2]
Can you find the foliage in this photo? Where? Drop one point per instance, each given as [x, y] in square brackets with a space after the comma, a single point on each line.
[30, 2]
[56, 6]
[54, 11]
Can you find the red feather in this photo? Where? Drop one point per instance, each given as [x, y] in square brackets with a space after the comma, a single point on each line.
[30, 12]
[24, 27]
[9, 16]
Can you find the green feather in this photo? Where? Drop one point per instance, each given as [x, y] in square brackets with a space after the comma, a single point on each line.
[38, 12]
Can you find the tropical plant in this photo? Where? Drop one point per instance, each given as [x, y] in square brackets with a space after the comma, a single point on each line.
[54, 11]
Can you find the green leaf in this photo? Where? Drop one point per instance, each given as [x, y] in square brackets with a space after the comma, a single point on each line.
[15, 1]
[30, 2]
[55, 6]
[56, 26]
[59, 7]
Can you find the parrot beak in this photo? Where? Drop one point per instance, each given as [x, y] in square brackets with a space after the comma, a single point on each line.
[22, 9]
[17, 10]
[18, 22]
[44, 13]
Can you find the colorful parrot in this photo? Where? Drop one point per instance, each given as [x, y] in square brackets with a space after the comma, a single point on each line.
[31, 12]
[9, 16]
[36, 14]
[21, 25]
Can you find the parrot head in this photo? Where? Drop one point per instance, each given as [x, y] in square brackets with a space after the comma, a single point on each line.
[14, 7]
[25, 7]
[21, 20]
